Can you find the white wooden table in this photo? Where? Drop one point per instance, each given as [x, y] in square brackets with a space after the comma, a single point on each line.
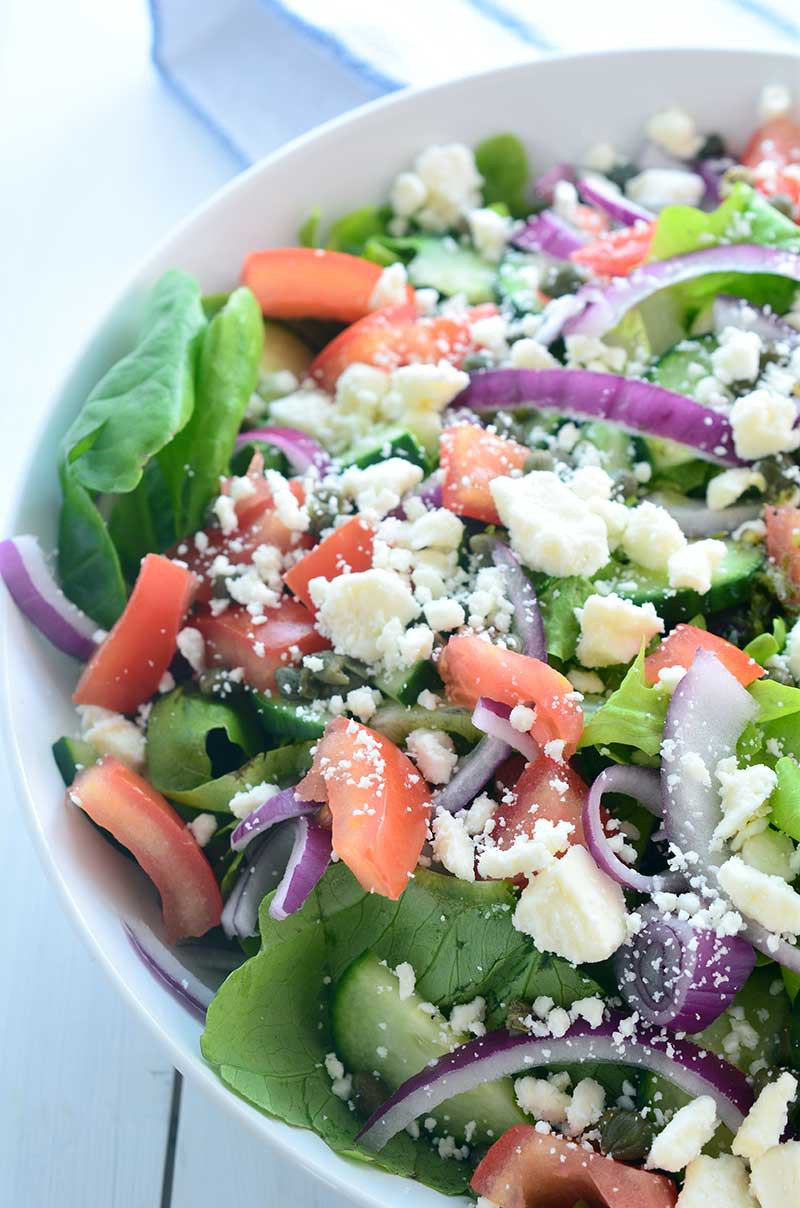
[98, 161]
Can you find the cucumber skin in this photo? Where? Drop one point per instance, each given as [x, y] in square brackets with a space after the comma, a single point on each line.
[401, 444]
[72, 755]
[405, 686]
[281, 720]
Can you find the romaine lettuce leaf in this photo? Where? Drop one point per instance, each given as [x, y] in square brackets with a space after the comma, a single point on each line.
[503, 163]
[633, 716]
[558, 602]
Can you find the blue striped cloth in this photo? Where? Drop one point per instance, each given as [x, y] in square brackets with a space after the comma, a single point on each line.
[259, 72]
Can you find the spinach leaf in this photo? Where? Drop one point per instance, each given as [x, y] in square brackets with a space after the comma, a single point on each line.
[558, 603]
[189, 735]
[503, 163]
[142, 522]
[88, 566]
[308, 234]
[227, 372]
[283, 766]
[352, 231]
[633, 716]
[269, 1028]
[145, 398]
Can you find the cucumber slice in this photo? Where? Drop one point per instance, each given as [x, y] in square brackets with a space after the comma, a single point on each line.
[398, 443]
[616, 447]
[674, 372]
[405, 686]
[375, 1031]
[288, 721]
[72, 755]
[451, 268]
[518, 282]
[730, 585]
[397, 722]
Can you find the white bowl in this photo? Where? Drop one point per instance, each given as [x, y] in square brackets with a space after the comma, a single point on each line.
[559, 106]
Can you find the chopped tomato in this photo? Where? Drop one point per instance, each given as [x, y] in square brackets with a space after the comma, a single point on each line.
[530, 1169]
[347, 549]
[471, 667]
[590, 221]
[392, 337]
[379, 804]
[618, 253]
[139, 818]
[776, 142]
[773, 182]
[311, 283]
[783, 547]
[127, 667]
[471, 457]
[679, 648]
[546, 789]
[234, 640]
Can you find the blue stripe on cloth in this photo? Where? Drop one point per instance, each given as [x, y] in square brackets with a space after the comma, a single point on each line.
[777, 21]
[523, 30]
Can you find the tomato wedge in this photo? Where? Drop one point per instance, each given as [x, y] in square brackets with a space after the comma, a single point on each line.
[232, 640]
[390, 338]
[471, 667]
[140, 819]
[126, 669]
[546, 789]
[617, 254]
[311, 283]
[679, 648]
[347, 549]
[530, 1169]
[776, 142]
[379, 804]
[783, 547]
[589, 220]
[471, 457]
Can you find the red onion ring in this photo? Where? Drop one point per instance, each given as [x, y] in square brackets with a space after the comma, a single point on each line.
[642, 784]
[493, 719]
[300, 450]
[35, 592]
[310, 857]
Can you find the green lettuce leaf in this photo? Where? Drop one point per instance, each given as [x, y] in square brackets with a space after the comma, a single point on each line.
[190, 737]
[785, 801]
[633, 716]
[558, 603]
[89, 568]
[503, 163]
[309, 233]
[352, 231]
[282, 766]
[269, 1028]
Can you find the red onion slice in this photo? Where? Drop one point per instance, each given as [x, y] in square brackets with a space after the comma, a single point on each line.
[634, 405]
[546, 184]
[642, 784]
[498, 1054]
[550, 234]
[785, 954]
[730, 311]
[697, 520]
[603, 308]
[183, 985]
[528, 620]
[261, 871]
[602, 194]
[493, 719]
[311, 855]
[35, 592]
[678, 976]
[300, 450]
[474, 771]
[279, 808]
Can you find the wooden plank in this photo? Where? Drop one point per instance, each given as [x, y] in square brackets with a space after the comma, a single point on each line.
[86, 1091]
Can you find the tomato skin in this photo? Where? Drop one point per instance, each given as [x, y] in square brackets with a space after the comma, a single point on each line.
[540, 793]
[348, 549]
[390, 338]
[783, 546]
[471, 668]
[680, 646]
[529, 1169]
[311, 283]
[380, 817]
[232, 640]
[471, 457]
[127, 667]
[590, 221]
[139, 818]
[776, 142]
[618, 253]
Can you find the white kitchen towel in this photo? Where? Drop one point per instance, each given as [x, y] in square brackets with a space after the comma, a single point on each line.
[258, 72]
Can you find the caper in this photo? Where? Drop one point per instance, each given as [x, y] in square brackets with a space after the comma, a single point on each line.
[288, 681]
[518, 1014]
[622, 172]
[477, 360]
[733, 176]
[539, 459]
[625, 1135]
[713, 147]
[323, 505]
[560, 279]
[216, 682]
[783, 203]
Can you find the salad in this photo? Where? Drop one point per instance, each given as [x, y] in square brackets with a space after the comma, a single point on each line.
[437, 596]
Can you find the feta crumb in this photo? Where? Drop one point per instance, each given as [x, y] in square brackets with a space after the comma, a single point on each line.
[378, 489]
[203, 827]
[768, 900]
[355, 610]
[527, 854]
[225, 511]
[361, 702]
[489, 231]
[538, 1097]
[452, 846]
[588, 682]
[670, 677]
[601, 157]
[479, 813]
[193, 648]
[682, 1140]
[341, 1083]
[775, 1176]
[612, 629]
[765, 1123]
[434, 754]
[652, 536]
[110, 733]
[763, 423]
[551, 529]
[694, 566]
[656, 188]
[528, 353]
[522, 718]
[675, 131]
[738, 356]
[407, 980]
[452, 184]
[744, 798]
[444, 614]
[712, 1181]
[246, 800]
[391, 288]
[792, 651]
[726, 488]
[591, 1009]
[469, 1017]
[408, 194]
[586, 1106]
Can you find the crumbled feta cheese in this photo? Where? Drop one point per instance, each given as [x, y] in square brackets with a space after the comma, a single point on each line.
[244, 802]
[287, 508]
[391, 288]
[765, 1123]
[522, 718]
[479, 813]
[656, 188]
[528, 353]
[587, 682]
[453, 847]
[551, 529]
[682, 1140]
[378, 489]
[408, 194]
[539, 1098]
[225, 511]
[452, 184]
[488, 603]
[444, 614]
[612, 629]
[203, 827]
[341, 1083]
[526, 855]
[573, 909]
[670, 677]
[407, 980]
[418, 394]
[768, 900]
[361, 702]
[489, 231]
[738, 357]
[652, 536]
[490, 332]
[601, 157]
[590, 1009]
[775, 101]
[744, 798]
[792, 651]
[675, 131]
[775, 1176]
[591, 353]
[694, 565]
[726, 488]
[712, 1181]
[434, 754]
[586, 1106]
[405, 649]
[469, 1017]
[355, 610]
[763, 423]
[110, 733]
[191, 645]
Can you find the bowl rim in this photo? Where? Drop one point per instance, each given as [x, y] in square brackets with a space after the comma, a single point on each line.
[327, 1165]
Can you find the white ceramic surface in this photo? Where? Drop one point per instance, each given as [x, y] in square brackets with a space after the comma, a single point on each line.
[559, 106]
